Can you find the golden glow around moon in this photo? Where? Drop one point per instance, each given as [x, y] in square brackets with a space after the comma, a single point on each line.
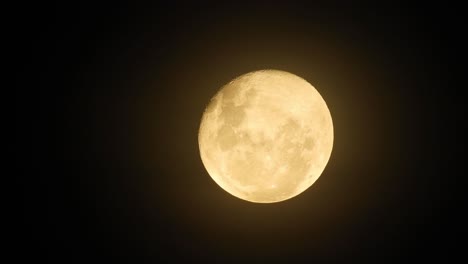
[266, 136]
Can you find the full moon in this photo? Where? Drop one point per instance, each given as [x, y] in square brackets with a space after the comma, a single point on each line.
[266, 136]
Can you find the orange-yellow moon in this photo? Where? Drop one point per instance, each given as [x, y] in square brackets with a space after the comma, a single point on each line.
[266, 136]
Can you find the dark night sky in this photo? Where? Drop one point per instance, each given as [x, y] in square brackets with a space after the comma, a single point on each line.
[116, 96]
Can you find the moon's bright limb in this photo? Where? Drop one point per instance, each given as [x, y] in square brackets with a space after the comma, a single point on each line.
[266, 136]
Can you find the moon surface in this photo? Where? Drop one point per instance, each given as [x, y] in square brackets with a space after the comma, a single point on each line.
[266, 136]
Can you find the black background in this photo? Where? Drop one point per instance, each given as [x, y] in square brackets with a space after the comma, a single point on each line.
[111, 100]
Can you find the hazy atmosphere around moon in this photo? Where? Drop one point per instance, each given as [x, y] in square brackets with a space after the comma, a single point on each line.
[266, 136]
